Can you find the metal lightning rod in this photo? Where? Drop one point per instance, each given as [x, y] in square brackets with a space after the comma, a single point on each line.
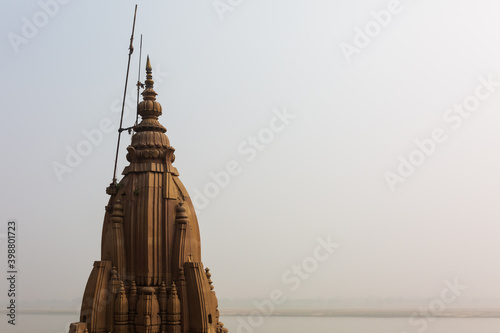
[120, 130]
[139, 85]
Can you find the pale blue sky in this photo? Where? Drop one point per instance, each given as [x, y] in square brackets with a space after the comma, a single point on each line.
[323, 174]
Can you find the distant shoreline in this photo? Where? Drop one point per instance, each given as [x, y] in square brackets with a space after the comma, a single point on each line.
[352, 312]
[374, 313]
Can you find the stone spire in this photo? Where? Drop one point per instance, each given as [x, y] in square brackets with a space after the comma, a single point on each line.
[150, 240]
[149, 143]
[149, 109]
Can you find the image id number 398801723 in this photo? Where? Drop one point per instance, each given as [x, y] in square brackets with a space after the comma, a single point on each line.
[11, 271]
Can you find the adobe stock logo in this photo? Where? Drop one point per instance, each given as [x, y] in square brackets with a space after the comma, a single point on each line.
[454, 117]
[248, 148]
[371, 30]
[421, 320]
[223, 7]
[293, 278]
[74, 156]
[29, 30]
[94, 137]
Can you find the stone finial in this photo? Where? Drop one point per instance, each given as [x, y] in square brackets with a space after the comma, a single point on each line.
[121, 290]
[173, 289]
[121, 307]
[149, 68]
[149, 83]
[182, 277]
[133, 296]
[149, 108]
[181, 214]
[114, 273]
[162, 297]
[174, 307]
[133, 287]
[163, 288]
[149, 143]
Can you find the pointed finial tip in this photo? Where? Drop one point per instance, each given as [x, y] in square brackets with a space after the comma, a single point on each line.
[148, 65]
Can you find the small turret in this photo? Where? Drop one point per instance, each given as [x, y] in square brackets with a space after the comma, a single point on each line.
[173, 311]
[118, 255]
[121, 311]
[114, 286]
[181, 221]
[132, 306]
[162, 299]
[181, 282]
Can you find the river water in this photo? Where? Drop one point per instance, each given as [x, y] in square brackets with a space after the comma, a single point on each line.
[59, 323]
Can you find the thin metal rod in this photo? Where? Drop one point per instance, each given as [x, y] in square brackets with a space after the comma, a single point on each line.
[139, 84]
[131, 50]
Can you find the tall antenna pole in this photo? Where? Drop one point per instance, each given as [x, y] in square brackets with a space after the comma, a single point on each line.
[139, 85]
[120, 130]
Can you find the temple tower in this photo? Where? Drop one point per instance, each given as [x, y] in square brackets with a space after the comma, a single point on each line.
[150, 240]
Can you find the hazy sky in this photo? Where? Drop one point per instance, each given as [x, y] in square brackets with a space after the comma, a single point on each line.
[318, 102]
